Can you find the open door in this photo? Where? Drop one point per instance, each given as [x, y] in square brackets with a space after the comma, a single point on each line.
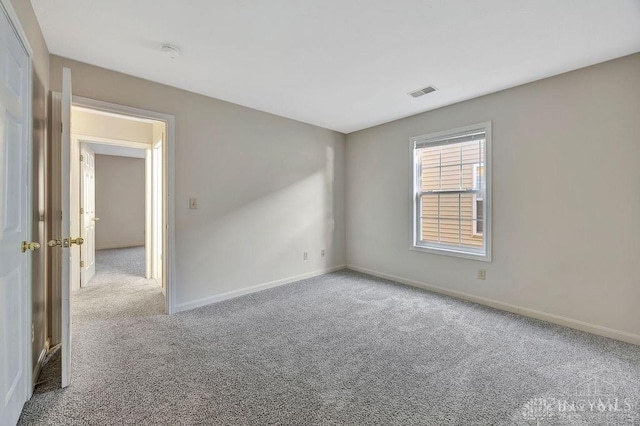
[68, 243]
[88, 213]
[66, 202]
[15, 228]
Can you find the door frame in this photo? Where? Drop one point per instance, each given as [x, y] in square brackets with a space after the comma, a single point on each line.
[28, 371]
[168, 275]
[155, 268]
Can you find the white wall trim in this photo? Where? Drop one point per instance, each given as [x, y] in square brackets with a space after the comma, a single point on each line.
[527, 312]
[17, 25]
[110, 141]
[148, 221]
[253, 289]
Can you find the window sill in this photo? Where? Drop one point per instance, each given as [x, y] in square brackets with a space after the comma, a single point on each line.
[483, 257]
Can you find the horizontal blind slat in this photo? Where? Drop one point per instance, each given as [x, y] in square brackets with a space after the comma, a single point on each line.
[451, 139]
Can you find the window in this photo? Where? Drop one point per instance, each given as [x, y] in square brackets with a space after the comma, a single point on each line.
[451, 192]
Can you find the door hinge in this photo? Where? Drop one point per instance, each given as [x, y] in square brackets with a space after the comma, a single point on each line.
[81, 210]
[81, 157]
[82, 263]
[61, 127]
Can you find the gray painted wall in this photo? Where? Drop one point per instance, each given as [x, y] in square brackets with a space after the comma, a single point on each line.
[566, 203]
[120, 202]
[268, 188]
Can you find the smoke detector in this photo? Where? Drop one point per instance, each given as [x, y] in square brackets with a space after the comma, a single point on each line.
[421, 92]
[170, 50]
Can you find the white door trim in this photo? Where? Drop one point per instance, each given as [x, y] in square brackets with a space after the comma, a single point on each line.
[13, 17]
[169, 180]
[109, 141]
[148, 223]
[22, 36]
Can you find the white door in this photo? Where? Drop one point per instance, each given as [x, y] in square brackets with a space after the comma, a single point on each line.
[14, 224]
[66, 231]
[88, 217]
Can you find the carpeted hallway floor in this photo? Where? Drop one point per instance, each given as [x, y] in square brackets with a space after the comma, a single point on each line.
[119, 289]
[343, 349]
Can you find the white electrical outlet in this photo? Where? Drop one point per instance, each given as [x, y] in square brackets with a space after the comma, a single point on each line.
[482, 274]
[305, 256]
[322, 253]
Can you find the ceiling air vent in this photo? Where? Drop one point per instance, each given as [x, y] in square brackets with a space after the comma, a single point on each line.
[420, 92]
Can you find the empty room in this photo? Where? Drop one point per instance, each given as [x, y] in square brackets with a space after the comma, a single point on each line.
[312, 213]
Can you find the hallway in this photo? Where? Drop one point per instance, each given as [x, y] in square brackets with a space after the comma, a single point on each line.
[115, 299]
[118, 290]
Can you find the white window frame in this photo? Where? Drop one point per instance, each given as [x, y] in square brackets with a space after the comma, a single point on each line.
[482, 254]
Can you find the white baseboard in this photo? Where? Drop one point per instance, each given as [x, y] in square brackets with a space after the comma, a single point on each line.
[527, 312]
[236, 293]
[117, 246]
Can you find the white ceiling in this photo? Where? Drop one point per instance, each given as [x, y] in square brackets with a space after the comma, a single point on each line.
[342, 64]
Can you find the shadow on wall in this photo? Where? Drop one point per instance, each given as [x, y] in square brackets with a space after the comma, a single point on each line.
[284, 207]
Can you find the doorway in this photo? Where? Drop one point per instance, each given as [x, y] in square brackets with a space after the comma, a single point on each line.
[155, 152]
[119, 194]
[158, 157]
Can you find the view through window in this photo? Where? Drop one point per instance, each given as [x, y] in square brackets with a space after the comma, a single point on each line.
[451, 191]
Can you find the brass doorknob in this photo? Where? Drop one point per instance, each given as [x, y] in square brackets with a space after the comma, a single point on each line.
[95, 219]
[53, 243]
[29, 246]
[77, 241]
[68, 242]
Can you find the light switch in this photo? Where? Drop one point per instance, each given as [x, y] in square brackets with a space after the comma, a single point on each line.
[193, 203]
